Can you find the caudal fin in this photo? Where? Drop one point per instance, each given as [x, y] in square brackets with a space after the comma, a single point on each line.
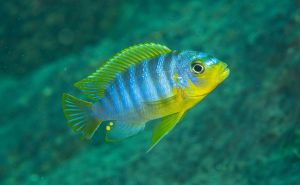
[79, 115]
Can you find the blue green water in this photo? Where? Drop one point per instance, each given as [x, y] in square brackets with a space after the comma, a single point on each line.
[247, 131]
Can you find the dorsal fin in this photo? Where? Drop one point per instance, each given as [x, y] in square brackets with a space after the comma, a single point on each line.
[95, 84]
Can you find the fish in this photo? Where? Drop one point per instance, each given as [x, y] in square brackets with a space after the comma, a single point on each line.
[141, 83]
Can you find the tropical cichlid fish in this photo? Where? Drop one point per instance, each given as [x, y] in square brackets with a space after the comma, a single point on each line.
[142, 83]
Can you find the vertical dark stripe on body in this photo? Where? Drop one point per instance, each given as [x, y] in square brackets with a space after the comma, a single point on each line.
[110, 101]
[166, 68]
[146, 83]
[134, 90]
[171, 68]
[163, 86]
[125, 101]
[106, 106]
[153, 78]
[115, 98]
[158, 75]
[139, 80]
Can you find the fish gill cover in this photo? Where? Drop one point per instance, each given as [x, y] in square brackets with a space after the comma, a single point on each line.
[246, 132]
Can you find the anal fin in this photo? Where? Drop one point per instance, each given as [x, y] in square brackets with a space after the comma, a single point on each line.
[119, 130]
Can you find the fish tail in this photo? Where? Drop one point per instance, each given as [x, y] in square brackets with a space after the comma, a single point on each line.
[79, 115]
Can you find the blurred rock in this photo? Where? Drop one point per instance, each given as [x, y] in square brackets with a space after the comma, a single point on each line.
[34, 33]
[246, 132]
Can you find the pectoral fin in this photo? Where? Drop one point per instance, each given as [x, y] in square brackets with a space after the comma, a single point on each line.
[157, 105]
[165, 102]
[164, 127]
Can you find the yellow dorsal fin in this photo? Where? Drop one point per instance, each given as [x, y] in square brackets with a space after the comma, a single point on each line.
[95, 84]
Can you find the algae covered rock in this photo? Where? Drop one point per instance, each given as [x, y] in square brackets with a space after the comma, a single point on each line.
[35, 33]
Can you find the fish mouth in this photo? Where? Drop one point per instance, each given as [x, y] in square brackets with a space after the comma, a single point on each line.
[224, 72]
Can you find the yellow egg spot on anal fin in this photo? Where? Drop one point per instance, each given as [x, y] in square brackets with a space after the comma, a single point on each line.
[111, 123]
[108, 128]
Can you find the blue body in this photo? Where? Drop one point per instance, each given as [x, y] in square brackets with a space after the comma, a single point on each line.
[149, 81]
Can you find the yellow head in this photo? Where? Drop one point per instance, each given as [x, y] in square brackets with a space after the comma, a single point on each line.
[200, 73]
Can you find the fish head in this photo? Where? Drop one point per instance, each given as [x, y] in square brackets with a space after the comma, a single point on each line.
[202, 72]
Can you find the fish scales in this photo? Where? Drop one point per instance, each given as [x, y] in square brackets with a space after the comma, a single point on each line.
[145, 82]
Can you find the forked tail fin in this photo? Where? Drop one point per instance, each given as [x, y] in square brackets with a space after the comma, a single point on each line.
[79, 115]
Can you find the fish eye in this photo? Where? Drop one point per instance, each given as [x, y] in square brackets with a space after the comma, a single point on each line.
[197, 68]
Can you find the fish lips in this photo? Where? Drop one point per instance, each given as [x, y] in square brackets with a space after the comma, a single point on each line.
[224, 72]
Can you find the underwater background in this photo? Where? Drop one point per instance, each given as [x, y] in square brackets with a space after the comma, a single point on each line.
[246, 132]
